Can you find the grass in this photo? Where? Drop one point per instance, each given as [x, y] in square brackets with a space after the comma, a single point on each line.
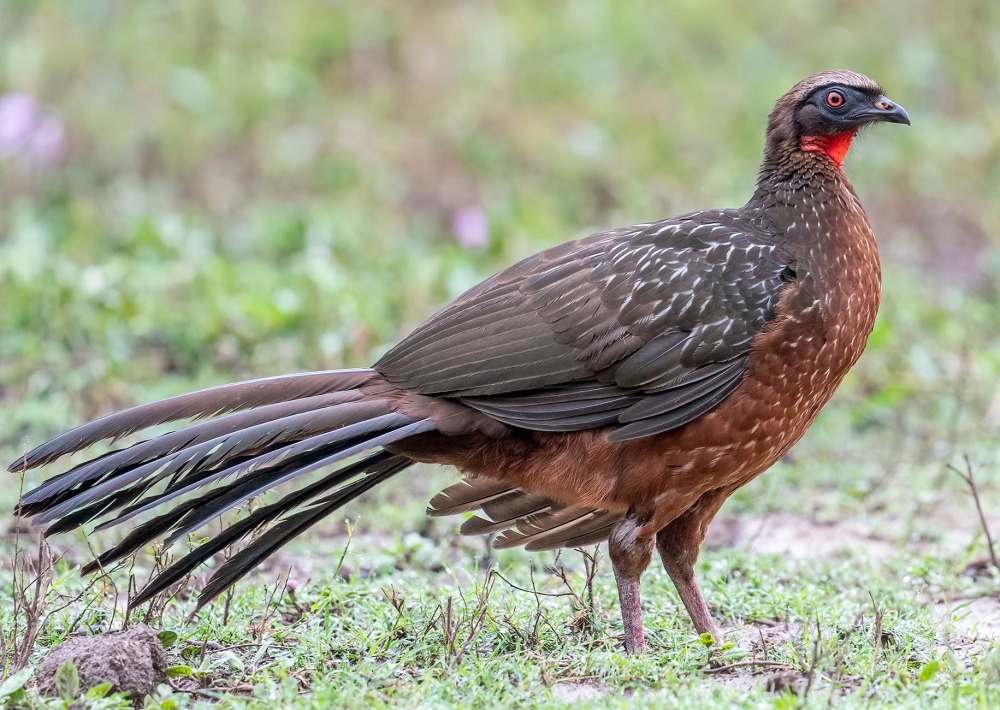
[248, 188]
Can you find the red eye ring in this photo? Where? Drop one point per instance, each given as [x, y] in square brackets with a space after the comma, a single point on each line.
[835, 99]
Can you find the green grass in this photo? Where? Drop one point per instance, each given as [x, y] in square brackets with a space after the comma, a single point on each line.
[254, 188]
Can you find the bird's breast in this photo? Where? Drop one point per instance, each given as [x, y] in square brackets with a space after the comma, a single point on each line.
[821, 325]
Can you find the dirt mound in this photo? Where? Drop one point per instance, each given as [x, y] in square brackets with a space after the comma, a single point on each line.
[132, 661]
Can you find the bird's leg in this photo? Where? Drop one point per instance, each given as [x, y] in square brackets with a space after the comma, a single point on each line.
[678, 544]
[680, 566]
[630, 556]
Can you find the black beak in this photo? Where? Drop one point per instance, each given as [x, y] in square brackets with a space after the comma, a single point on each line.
[885, 110]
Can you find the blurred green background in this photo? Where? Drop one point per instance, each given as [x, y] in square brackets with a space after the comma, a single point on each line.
[197, 192]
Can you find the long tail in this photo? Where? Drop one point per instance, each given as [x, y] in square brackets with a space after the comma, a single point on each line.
[248, 438]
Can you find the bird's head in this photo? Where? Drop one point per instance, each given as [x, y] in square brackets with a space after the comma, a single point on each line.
[823, 112]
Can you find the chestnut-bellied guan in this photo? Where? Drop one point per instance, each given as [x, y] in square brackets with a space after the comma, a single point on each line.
[615, 388]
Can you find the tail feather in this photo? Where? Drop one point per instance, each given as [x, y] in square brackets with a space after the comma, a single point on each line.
[297, 469]
[466, 495]
[203, 403]
[181, 515]
[174, 442]
[54, 491]
[140, 536]
[334, 447]
[250, 556]
[293, 426]
[86, 514]
[155, 528]
[374, 469]
[214, 452]
[522, 518]
[200, 477]
[549, 531]
[218, 501]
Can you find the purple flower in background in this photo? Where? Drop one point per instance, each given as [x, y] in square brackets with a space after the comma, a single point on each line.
[18, 117]
[26, 133]
[471, 228]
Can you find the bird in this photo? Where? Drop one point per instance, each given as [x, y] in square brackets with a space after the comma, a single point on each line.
[613, 389]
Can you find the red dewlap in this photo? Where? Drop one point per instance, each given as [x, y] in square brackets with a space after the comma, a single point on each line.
[834, 147]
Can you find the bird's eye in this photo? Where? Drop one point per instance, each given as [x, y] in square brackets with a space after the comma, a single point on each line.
[835, 99]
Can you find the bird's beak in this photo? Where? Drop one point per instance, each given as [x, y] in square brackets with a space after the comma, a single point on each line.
[885, 110]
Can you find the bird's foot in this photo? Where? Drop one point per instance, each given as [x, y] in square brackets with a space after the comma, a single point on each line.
[628, 597]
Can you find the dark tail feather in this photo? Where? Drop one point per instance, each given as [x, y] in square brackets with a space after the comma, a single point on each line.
[204, 403]
[373, 470]
[220, 450]
[251, 477]
[249, 557]
[141, 535]
[40, 503]
[293, 426]
[294, 470]
[550, 531]
[159, 526]
[466, 495]
[79, 517]
[215, 430]
[264, 472]
[504, 512]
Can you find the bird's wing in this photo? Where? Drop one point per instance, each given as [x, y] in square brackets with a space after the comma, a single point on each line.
[647, 327]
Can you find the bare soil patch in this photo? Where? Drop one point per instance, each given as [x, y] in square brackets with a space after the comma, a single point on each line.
[976, 618]
[796, 537]
[567, 692]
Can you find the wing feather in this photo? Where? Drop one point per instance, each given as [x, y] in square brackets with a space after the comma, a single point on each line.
[644, 329]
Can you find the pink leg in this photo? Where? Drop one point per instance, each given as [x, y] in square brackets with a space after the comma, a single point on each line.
[680, 567]
[630, 556]
[678, 545]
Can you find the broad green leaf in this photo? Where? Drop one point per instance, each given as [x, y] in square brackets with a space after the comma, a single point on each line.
[930, 670]
[68, 680]
[15, 683]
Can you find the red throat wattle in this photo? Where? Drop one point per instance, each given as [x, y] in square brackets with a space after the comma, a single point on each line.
[834, 147]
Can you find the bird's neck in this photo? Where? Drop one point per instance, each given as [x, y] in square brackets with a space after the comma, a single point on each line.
[823, 228]
[807, 199]
[802, 171]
